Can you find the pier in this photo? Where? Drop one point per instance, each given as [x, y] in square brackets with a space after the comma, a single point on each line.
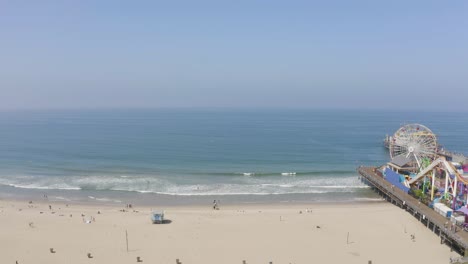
[456, 238]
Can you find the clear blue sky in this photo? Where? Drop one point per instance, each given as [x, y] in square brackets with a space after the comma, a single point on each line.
[334, 54]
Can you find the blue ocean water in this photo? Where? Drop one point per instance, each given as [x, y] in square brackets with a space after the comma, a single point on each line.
[186, 152]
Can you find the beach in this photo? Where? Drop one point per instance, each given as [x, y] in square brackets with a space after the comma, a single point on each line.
[289, 193]
[265, 133]
[256, 233]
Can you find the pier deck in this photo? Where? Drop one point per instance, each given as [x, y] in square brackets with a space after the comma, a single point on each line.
[456, 239]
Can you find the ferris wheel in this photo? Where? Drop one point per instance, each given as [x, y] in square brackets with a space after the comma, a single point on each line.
[415, 142]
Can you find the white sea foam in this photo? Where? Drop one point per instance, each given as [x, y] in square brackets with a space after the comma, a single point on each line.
[60, 198]
[108, 200]
[178, 186]
[236, 193]
[104, 199]
[279, 185]
[39, 187]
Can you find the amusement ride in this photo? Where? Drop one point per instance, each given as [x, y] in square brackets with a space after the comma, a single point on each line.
[420, 167]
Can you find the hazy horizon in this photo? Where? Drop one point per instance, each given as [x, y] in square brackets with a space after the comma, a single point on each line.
[243, 55]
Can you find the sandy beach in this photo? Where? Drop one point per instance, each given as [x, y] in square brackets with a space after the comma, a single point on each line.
[281, 233]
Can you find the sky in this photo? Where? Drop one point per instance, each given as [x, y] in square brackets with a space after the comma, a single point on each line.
[236, 54]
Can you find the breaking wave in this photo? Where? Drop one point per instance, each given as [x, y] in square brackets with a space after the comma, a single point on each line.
[185, 186]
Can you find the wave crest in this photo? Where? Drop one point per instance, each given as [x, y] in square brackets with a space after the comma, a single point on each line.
[192, 186]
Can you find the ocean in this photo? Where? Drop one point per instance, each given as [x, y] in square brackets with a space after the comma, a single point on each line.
[156, 155]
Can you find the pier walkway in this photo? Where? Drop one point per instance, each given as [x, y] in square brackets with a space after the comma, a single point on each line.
[456, 239]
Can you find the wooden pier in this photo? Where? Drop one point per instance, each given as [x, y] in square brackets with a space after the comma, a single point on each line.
[456, 238]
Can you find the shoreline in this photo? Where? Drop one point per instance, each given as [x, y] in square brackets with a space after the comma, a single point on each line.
[116, 198]
[229, 206]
